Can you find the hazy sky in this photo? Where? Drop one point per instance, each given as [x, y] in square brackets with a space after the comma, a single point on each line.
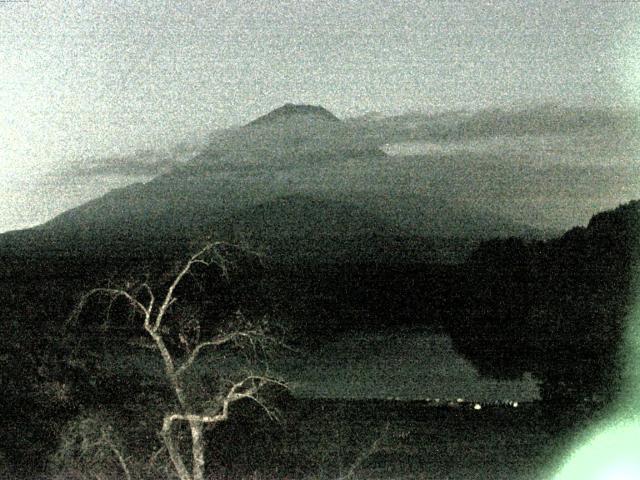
[89, 78]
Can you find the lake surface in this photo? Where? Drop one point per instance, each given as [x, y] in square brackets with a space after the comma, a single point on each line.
[406, 364]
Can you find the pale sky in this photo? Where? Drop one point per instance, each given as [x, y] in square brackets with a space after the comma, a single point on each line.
[90, 78]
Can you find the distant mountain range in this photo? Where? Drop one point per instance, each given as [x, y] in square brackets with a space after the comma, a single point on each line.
[269, 183]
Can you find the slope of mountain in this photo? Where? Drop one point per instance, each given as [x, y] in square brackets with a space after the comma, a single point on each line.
[302, 229]
[437, 215]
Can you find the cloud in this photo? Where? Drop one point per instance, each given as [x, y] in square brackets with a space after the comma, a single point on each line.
[546, 119]
[463, 126]
[141, 163]
[138, 164]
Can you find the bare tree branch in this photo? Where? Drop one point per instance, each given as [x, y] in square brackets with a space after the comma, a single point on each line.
[234, 394]
[169, 298]
[215, 342]
[113, 293]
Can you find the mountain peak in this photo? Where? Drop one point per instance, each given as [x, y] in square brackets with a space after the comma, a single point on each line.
[290, 110]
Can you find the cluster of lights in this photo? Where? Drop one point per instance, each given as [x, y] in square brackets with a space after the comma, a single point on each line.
[459, 402]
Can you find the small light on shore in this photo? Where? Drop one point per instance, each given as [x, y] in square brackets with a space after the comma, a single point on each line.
[477, 406]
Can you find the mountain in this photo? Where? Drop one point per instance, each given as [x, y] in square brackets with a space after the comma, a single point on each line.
[295, 174]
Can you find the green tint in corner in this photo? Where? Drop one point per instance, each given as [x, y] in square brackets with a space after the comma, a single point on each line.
[611, 451]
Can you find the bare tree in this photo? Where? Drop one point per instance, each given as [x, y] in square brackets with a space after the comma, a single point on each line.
[195, 414]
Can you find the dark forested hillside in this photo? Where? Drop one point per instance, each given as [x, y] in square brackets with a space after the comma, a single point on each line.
[554, 308]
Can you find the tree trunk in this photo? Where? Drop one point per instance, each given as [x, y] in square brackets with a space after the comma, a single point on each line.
[197, 448]
[172, 448]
